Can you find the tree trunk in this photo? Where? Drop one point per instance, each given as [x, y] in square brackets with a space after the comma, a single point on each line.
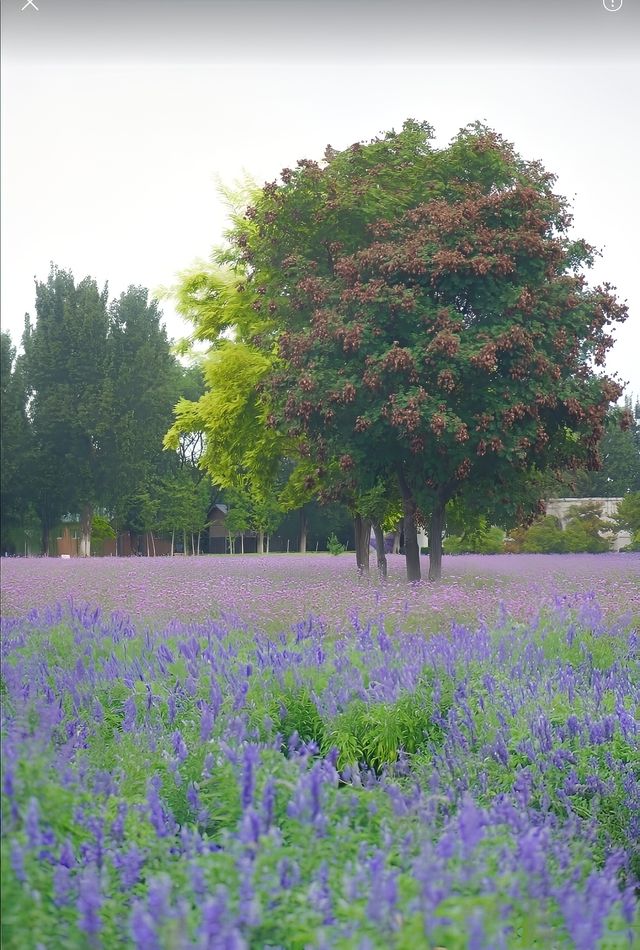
[380, 551]
[44, 541]
[396, 540]
[173, 540]
[198, 551]
[411, 549]
[86, 518]
[153, 543]
[193, 545]
[260, 542]
[302, 545]
[184, 542]
[362, 530]
[435, 541]
[268, 542]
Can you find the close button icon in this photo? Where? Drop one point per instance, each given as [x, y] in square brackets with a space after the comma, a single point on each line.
[29, 3]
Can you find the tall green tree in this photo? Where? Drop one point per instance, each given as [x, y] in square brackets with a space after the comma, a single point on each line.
[66, 360]
[620, 456]
[628, 518]
[143, 383]
[228, 423]
[432, 322]
[184, 497]
[16, 445]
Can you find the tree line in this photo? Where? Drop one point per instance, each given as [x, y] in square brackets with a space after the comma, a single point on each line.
[399, 331]
[85, 406]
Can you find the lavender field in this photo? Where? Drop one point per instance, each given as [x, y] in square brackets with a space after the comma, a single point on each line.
[233, 752]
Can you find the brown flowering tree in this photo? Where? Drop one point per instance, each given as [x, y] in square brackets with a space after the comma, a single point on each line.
[435, 326]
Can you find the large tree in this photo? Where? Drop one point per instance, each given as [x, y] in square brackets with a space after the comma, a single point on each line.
[432, 322]
[16, 447]
[65, 354]
[102, 384]
[143, 384]
[229, 420]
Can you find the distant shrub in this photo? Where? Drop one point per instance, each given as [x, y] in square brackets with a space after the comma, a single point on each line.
[582, 534]
[485, 539]
[334, 546]
[544, 537]
[584, 529]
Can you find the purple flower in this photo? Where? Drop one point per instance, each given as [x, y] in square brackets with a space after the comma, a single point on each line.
[288, 873]
[160, 818]
[470, 824]
[179, 746]
[142, 928]
[268, 802]
[32, 823]
[129, 864]
[206, 724]
[158, 896]
[67, 857]
[117, 826]
[171, 708]
[130, 714]
[250, 759]
[17, 860]
[62, 885]
[89, 902]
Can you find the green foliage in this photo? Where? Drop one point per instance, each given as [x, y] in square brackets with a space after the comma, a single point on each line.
[620, 456]
[376, 733]
[240, 448]
[628, 518]
[66, 376]
[584, 528]
[183, 501]
[544, 537]
[418, 325]
[582, 533]
[101, 528]
[16, 446]
[334, 546]
[488, 541]
[100, 383]
[375, 825]
[144, 382]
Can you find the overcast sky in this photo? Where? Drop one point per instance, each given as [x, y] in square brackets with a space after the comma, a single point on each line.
[119, 117]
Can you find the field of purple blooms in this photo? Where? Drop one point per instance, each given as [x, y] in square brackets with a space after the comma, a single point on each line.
[269, 753]
[271, 589]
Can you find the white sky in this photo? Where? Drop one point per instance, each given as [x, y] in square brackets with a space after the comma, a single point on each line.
[109, 163]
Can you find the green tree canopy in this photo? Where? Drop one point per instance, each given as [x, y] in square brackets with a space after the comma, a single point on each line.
[66, 360]
[628, 518]
[16, 445]
[425, 317]
[620, 456]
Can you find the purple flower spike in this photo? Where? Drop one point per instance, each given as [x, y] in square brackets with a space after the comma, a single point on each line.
[89, 902]
[17, 861]
[143, 930]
